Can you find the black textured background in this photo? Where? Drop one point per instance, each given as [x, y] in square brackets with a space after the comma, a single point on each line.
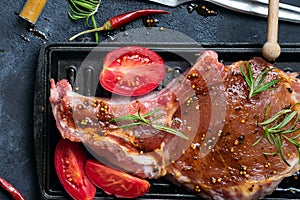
[18, 61]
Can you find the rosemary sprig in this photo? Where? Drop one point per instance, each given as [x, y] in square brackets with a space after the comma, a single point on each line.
[146, 119]
[257, 85]
[275, 132]
[85, 9]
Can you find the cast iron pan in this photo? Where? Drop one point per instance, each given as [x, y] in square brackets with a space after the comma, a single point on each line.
[60, 61]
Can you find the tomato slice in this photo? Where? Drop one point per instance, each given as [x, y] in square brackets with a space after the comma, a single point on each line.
[115, 182]
[132, 71]
[69, 160]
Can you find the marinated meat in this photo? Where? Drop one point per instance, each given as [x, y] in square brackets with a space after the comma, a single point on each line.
[211, 106]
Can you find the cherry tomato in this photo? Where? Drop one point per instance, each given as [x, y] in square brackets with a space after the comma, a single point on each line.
[69, 160]
[115, 182]
[132, 71]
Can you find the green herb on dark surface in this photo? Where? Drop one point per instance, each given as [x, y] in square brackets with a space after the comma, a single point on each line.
[85, 9]
[121, 20]
[275, 132]
[143, 120]
[257, 85]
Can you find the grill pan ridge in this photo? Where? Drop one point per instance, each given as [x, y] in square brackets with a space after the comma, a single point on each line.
[64, 60]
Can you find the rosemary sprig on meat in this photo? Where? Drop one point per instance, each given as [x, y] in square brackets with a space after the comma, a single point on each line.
[276, 133]
[85, 9]
[144, 120]
[257, 85]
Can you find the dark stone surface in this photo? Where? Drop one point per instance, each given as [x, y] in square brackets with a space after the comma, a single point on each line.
[18, 60]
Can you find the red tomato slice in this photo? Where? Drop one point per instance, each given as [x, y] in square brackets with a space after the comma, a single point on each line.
[69, 161]
[132, 71]
[115, 182]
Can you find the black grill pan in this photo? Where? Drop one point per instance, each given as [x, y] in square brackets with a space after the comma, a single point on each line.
[65, 60]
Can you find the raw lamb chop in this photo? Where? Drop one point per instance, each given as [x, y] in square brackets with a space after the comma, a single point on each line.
[210, 105]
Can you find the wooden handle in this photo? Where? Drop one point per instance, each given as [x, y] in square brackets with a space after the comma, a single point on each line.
[271, 49]
[32, 10]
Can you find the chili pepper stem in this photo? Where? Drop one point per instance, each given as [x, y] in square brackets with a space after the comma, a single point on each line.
[106, 27]
[85, 32]
[122, 19]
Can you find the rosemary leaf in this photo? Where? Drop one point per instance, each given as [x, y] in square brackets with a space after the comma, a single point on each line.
[267, 111]
[273, 118]
[169, 130]
[155, 117]
[248, 81]
[279, 146]
[269, 137]
[151, 112]
[293, 141]
[260, 79]
[259, 140]
[284, 132]
[266, 87]
[130, 125]
[142, 118]
[286, 120]
[125, 118]
[257, 85]
[271, 154]
[146, 119]
[296, 137]
[275, 133]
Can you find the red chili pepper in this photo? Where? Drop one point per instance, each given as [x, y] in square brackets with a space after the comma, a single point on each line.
[125, 18]
[16, 195]
[122, 19]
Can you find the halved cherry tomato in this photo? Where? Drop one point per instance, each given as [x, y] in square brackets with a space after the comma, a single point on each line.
[70, 159]
[132, 71]
[115, 182]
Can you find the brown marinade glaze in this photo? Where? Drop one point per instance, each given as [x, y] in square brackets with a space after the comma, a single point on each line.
[234, 159]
